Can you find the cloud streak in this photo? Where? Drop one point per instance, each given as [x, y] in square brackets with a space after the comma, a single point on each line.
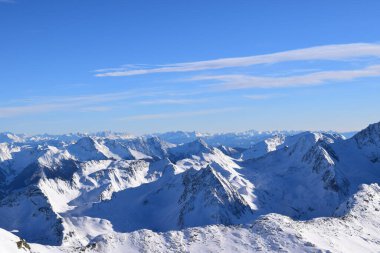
[84, 103]
[231, 82]
[171, 101]
[263, 96]
[96, 102]
[13, 111]
[177, 114]
[327, 52]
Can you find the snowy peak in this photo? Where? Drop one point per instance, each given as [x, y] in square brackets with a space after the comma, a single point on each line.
[119, 149]
[87, 143]
[113, 136]
[369, 136]
[208, 198]
[5, 152]
[157, 147]
[159, 143]
[87, 148]
[10, 138]
[33, 173]
[368, 140]
[29, 212]
[197, 148]
[263, 147]
[301, 143]
[199, 145]
[139, 148]
[233, 152]
[20, 158]
[297, 144]
[321, 159]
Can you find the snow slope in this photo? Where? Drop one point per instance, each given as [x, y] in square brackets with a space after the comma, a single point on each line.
[354, 228]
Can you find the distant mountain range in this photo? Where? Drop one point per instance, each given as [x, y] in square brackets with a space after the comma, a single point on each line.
[238, 139]
[190, 192]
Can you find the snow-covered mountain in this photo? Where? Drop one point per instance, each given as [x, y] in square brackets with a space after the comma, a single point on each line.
[10, 137]
[245, 192]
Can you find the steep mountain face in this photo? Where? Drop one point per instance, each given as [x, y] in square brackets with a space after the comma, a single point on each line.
[369, 136]
[299, 179]
[208, 198]
[107, 192]
[281, 141]
[322, 163]
[232, 152]
[29, 212]
[368, 140]
[152, 147]
[138, 148]
[87, 148]
[188, 150]
[262, 148]
[188, 199]
[34, 172]
[23, 156]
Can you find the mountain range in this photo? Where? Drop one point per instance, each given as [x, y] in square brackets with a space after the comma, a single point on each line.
[189, 192]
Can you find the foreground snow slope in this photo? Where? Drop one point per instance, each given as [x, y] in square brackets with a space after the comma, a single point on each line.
[355, 228]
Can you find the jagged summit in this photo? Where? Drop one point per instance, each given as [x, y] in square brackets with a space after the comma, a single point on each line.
[197, 147]
[368, 141]
[369, 136]
[88, 148]
[5, 152]
[209, 195]
[87, 143]
[263, 147]
[10, 138]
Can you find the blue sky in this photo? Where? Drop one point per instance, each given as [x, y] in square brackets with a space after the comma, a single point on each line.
[216, 66]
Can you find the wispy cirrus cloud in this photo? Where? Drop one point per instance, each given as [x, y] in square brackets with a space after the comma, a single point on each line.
[170, 101]
[230, 82]
[178, 114]
[263, 96]
[82, 103]
[326, 52]
[12, 111]
[96, 109]
[96, 102]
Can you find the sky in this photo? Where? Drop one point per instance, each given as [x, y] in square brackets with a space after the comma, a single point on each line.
[147, 66]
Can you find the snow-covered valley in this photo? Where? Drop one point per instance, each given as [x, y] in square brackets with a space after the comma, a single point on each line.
[189, 192]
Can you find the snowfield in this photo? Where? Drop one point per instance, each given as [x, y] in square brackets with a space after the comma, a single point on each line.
[191, 192]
